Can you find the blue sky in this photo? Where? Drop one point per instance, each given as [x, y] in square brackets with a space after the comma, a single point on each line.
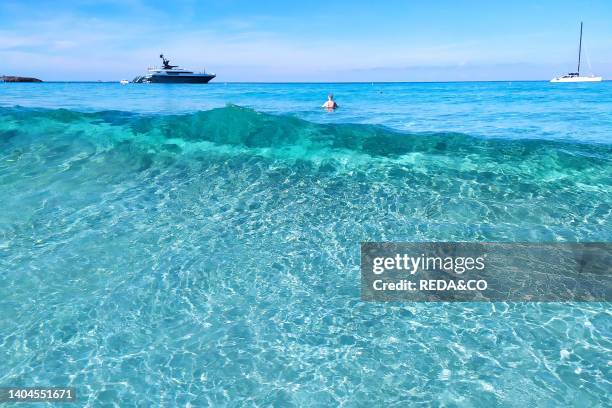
[305, 40]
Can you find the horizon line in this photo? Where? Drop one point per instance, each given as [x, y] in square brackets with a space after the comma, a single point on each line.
[303, 82]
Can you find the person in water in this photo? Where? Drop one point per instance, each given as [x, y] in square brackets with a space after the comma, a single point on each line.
[330, 104]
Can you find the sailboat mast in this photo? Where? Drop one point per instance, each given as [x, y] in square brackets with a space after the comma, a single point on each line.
[580, 48]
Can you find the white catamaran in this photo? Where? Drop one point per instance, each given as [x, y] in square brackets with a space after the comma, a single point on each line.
[575, 76]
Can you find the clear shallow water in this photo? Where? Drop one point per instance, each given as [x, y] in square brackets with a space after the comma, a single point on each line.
[163, 253]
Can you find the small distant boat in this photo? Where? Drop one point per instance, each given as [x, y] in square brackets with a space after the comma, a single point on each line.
[124, 82]
[172, 74]
[575, 76]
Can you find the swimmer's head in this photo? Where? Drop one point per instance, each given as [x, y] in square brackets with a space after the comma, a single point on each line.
[330, 97]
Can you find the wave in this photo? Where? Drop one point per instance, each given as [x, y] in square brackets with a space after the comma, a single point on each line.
[231, 162]
[239, 130]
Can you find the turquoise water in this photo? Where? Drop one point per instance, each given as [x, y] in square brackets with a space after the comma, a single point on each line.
[199, 245]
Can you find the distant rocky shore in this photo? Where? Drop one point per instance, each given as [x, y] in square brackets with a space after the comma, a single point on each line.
[8, 78]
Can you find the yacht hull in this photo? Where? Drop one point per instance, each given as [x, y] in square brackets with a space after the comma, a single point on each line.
[182, 79]
[577, 79]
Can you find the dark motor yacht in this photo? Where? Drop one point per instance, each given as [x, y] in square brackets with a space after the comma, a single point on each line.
[172, 74]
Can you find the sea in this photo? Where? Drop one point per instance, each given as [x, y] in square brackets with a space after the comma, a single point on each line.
[199, 245]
